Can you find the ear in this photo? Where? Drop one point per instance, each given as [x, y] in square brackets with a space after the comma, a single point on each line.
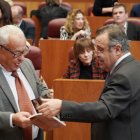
[118, 49]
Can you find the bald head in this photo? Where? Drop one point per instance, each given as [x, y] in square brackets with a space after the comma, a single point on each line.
[17, 14]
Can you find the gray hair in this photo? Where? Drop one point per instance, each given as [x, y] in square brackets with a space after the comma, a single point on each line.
[116, 35]
[10, 30]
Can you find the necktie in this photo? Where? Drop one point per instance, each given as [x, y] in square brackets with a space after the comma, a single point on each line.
[24, 104]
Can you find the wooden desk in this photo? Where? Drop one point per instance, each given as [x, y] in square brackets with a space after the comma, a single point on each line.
[80, 91]
[135, 49]
[54, 58]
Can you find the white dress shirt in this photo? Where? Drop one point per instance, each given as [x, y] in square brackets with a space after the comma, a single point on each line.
[11, 81]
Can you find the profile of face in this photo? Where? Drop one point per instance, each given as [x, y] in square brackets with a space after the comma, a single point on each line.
[78, 21]
[86, 56]
[119, 15]
[106, 57]
[12, 55]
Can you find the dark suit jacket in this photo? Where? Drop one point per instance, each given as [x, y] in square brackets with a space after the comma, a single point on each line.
[133, 31]
[47, 13]
[28, 29]
[116, 116]
[99, 4]
[8, 104]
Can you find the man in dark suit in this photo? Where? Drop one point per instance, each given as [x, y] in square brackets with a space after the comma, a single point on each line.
[120, 16]
[12, 51]
[52, 10]
[25, 26]
[116, 115]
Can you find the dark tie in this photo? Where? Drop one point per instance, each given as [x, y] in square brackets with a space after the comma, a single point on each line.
[24, 104]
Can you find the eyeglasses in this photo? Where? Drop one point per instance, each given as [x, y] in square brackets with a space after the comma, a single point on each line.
[17, 54]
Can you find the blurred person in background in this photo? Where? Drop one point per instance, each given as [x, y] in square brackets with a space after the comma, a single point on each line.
[26, 27]
[76, 26]
[120, 16]
[103, 7]
[135, 11]
[51, 10]
[5, 13]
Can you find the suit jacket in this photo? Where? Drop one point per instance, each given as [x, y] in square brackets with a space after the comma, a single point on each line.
[99, 4]
[47, 13]
[8, 104]
[28, 29]
[133, 31]
[116, 116]
[135, 11]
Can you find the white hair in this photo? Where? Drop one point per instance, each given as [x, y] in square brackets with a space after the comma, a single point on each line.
[8, 31]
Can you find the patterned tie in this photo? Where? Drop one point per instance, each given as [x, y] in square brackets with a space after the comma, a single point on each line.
[24, 104]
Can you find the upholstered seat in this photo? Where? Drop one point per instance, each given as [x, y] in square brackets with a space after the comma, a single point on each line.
[133, 20]
[35, 56]
[54, 27]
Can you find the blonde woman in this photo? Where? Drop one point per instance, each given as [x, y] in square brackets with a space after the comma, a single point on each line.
[76, 26]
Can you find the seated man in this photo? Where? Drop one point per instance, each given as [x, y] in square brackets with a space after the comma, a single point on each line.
[26, 27]
[51, 10]
[120, 16]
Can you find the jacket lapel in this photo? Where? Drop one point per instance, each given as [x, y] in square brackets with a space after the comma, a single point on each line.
[29, 78]
[122, 63]
[7, 91]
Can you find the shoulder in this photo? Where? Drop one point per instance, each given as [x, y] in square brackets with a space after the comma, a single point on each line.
[27, 24]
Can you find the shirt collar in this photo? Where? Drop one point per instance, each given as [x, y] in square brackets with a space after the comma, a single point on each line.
[119, 60]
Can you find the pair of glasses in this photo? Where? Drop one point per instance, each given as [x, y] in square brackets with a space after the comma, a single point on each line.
[17, 54]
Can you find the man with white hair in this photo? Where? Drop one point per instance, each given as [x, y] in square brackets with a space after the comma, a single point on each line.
[13, 119]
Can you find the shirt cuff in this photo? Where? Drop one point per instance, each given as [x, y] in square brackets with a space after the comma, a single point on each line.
[11, 122]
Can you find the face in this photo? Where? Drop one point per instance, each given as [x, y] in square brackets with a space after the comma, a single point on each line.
[107, 58]
[119, 15]
[86, 56]
[16, 18]
[79, 21]
[7, 58]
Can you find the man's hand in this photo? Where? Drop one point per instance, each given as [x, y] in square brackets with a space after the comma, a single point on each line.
[21, 119]
[50, 107]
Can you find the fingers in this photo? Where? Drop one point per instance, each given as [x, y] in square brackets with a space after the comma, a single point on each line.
[50, 107]
[21, 119]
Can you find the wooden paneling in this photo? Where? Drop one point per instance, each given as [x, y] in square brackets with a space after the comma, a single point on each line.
[54, 58]
[80, 91]
[135, 49]
[95, 22]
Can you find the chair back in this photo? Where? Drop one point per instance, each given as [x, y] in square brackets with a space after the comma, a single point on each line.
[135, 21]
[54, 27]
[35, 56]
